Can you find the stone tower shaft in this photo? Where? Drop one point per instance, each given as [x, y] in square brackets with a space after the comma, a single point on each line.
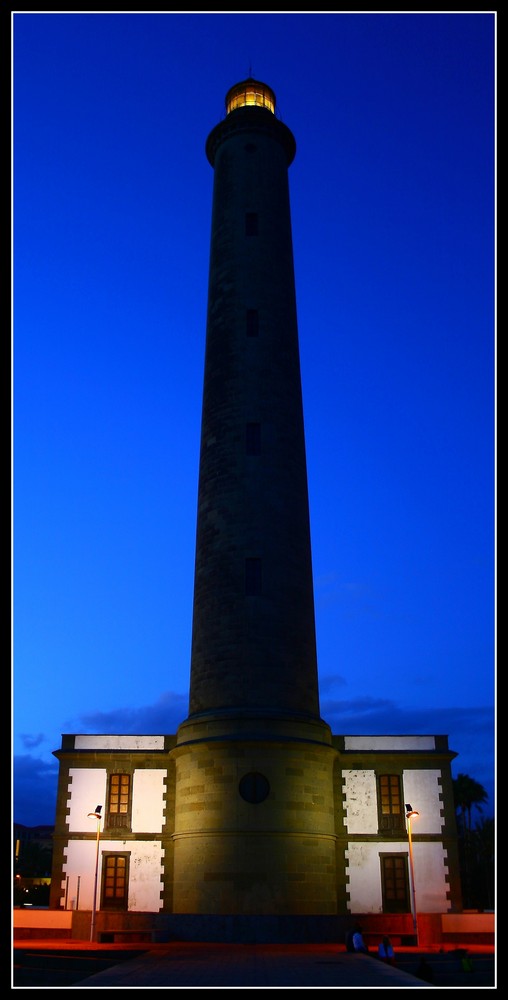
[253, 639]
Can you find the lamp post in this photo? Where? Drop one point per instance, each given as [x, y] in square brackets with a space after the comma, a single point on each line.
[410, 813]
[97, 815]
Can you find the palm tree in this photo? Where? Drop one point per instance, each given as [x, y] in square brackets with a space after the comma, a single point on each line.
[483, 843]
[467, 794]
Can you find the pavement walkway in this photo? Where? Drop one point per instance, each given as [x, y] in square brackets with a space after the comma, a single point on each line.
[250, 966]
[73, 963]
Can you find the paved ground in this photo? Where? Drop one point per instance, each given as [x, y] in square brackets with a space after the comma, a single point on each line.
[178, 965]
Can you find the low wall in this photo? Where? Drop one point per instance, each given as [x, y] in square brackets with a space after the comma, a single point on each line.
[33, 923]
[458, 927]
[238, 928]
[433, 928]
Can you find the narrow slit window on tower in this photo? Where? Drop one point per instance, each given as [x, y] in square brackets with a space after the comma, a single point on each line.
[252, 577]
[253, 439]
[252, 322]
[251, 224]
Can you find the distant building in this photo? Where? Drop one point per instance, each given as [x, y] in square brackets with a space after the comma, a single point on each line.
[33, 848]
[253, 819]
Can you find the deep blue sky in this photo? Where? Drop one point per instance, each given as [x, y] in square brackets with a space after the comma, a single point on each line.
[393, 207]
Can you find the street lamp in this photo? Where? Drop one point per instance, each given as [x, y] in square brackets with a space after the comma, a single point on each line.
[97, 815]
[410, 813]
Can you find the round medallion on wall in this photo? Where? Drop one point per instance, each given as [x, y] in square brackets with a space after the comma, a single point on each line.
[254, 787]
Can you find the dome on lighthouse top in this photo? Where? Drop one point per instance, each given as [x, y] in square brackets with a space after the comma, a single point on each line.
[250, 93]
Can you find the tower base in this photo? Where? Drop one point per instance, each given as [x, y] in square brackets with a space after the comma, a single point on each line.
[254, 829]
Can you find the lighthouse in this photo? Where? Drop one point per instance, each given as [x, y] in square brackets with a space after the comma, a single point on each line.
[253, 822]
[254, 761]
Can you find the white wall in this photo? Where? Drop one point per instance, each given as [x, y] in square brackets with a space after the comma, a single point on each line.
[79, 869]
[364, 876]
[422, 789]
[87, 742]
[363, 872]
[148, 800]
[360, 801]
[87, 789]
[145, 873]
[145, 877]
[431, 869]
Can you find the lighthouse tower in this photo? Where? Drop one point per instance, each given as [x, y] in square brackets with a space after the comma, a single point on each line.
[253, 821]
[254, 825]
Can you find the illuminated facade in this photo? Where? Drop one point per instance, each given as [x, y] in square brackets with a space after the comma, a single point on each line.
[254, 815]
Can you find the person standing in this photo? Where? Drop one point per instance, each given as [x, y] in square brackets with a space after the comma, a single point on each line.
[358, 942]
[385, 951]
[349, 939]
